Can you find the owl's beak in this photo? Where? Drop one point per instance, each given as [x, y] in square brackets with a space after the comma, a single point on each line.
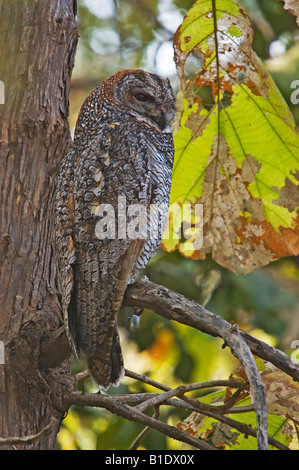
[162, 120]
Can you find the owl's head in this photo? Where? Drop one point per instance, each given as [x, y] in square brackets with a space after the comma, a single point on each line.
[145, 95]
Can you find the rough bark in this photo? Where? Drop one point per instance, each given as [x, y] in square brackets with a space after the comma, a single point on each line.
[38, 42]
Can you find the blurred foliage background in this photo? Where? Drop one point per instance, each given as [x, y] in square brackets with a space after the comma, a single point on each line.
[116, 34]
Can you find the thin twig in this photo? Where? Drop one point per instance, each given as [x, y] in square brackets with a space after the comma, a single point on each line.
[146, 380]
[116, 406]
[161, 398]
[137, 398]
[243, 428]
[156, 400]
[145, 431]
[241, 350]
[81, 375]
[215, 383]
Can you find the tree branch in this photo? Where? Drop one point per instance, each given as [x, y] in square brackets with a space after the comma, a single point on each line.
[119, 404]
[119, 408]
[144, 432]
[175, 306]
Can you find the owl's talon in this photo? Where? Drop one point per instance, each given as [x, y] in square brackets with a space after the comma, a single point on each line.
[135, 318]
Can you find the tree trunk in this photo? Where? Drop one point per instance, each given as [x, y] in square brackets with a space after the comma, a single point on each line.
[38, 42]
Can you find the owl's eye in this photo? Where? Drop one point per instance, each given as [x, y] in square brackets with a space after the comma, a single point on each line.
[141, 97]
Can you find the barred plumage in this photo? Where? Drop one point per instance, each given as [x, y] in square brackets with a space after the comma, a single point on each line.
[122, 153]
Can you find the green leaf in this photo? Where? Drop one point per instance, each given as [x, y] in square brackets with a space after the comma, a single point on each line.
[226, 437]
[293, 7]
[236, 147]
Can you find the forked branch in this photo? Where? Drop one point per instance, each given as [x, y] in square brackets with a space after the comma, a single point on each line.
[174, 306]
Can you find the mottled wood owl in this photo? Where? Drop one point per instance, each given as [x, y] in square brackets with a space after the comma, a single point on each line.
[120, 166]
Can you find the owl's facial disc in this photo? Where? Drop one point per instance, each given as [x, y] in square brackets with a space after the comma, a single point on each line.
[149, 100]
[150, 108]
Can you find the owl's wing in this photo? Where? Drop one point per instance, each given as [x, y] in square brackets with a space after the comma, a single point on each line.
[64, 226]
[94, 271]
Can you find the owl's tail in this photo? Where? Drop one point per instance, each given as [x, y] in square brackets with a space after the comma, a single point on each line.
[104, 358]
[96, 300]
[104, 376]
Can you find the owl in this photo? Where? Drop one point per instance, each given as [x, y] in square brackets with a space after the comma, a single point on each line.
[118, 171]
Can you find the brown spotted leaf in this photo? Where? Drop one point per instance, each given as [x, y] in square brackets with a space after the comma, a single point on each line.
[236, 147]
[282, 393]
[293, 7]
